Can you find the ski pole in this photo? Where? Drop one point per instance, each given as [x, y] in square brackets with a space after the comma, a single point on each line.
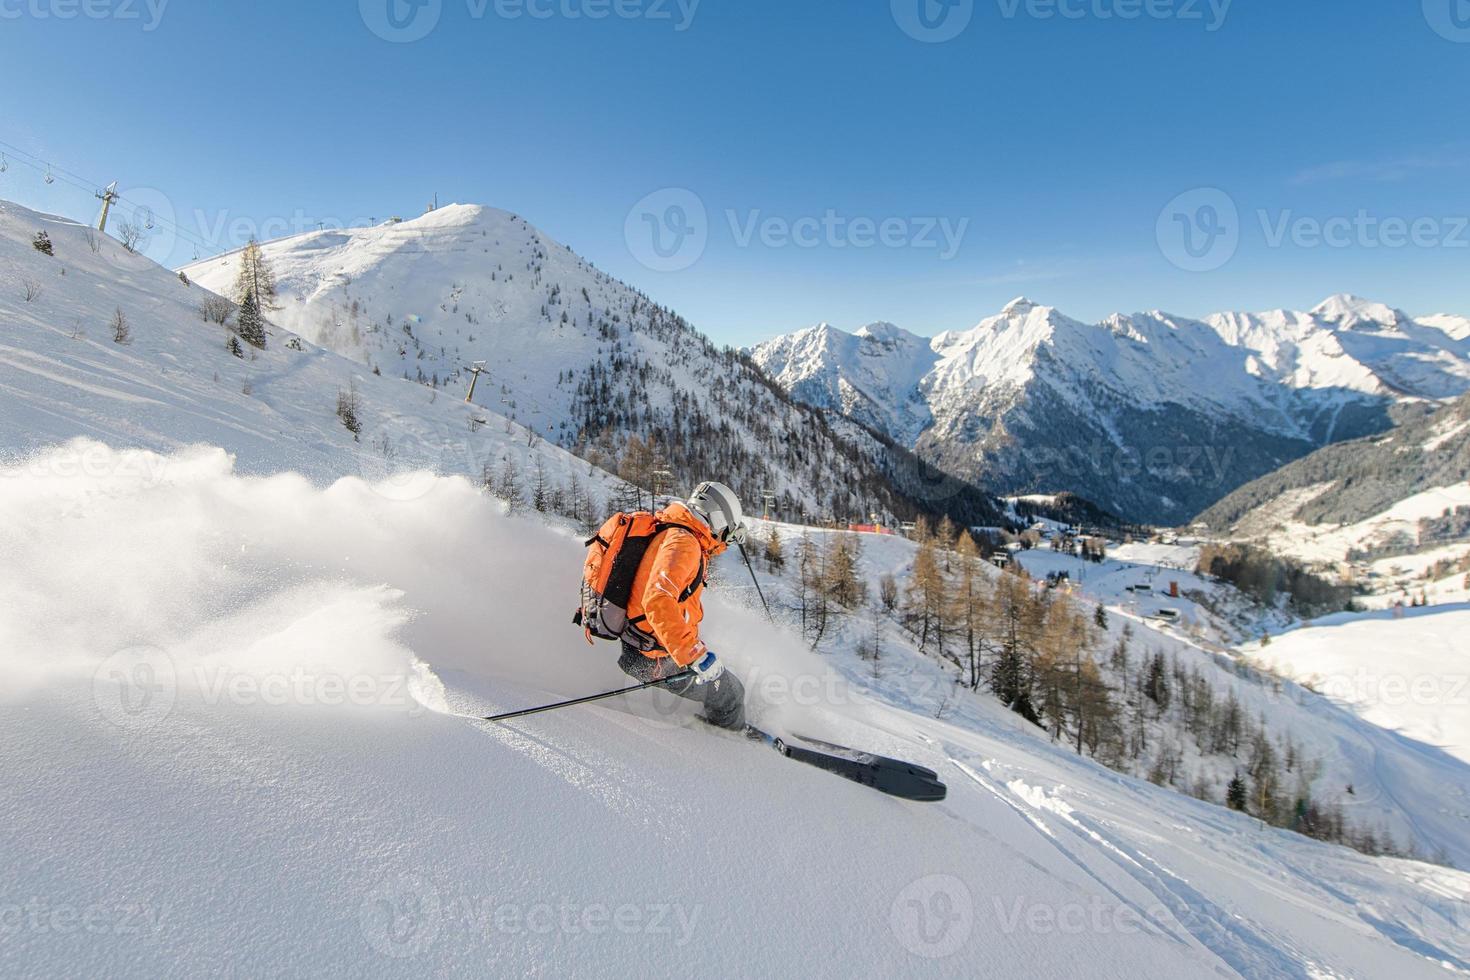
[757, 582]
[591, 697]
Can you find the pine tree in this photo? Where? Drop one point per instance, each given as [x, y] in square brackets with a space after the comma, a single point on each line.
[349, 409]
[255, 277]
[1100, 617]
[251, 324]
[1235, 794]
[1011, 674]
[233, 346]
[42, 243]
[540, 487]
[1156, 684]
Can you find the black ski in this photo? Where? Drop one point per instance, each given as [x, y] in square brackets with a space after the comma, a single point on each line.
[892, 776]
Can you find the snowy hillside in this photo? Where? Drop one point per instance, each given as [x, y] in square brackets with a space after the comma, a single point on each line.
[245, 752]
[173, 382]
[1391, 512]
[1409, 673]
[578, 357]
[1333, 753]
[1152, 416]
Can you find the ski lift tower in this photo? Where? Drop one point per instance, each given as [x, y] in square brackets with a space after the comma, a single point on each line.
[477, 369]
[663, 482]
[108, 198]
[768, 500]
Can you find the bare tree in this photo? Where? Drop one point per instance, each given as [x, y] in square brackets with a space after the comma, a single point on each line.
[130, 233]
[216, 309]
[31, 288]
[122, 332]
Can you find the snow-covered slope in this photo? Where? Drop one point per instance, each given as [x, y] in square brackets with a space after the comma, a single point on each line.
[580, 358]
[1378, 500]
[1372, 779]
[240, 754]
[1421, 690]
[173, 382]
[1152, 416]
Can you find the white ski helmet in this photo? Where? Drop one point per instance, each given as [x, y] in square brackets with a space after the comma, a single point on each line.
[719, 508]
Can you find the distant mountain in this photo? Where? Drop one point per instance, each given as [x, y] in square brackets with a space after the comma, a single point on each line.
[1152, 416]
[581, 359]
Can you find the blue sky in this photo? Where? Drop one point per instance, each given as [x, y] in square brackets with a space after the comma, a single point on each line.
[818, 149]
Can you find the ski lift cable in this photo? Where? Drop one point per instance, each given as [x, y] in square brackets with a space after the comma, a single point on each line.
[130, 207]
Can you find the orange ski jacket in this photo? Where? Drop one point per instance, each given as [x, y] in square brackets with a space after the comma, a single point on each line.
[677, 564]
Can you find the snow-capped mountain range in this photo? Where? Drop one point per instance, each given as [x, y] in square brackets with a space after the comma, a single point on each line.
[273, 658]
[1153, 416]
[578, 357]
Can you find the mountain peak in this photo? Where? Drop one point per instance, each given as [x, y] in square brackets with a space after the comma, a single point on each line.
[1018, 306]
[1347, 309]
[883, 332]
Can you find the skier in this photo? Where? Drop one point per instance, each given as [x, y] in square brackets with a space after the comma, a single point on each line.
[643, 582]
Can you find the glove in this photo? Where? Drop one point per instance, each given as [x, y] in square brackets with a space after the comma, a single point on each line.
[707, 668]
